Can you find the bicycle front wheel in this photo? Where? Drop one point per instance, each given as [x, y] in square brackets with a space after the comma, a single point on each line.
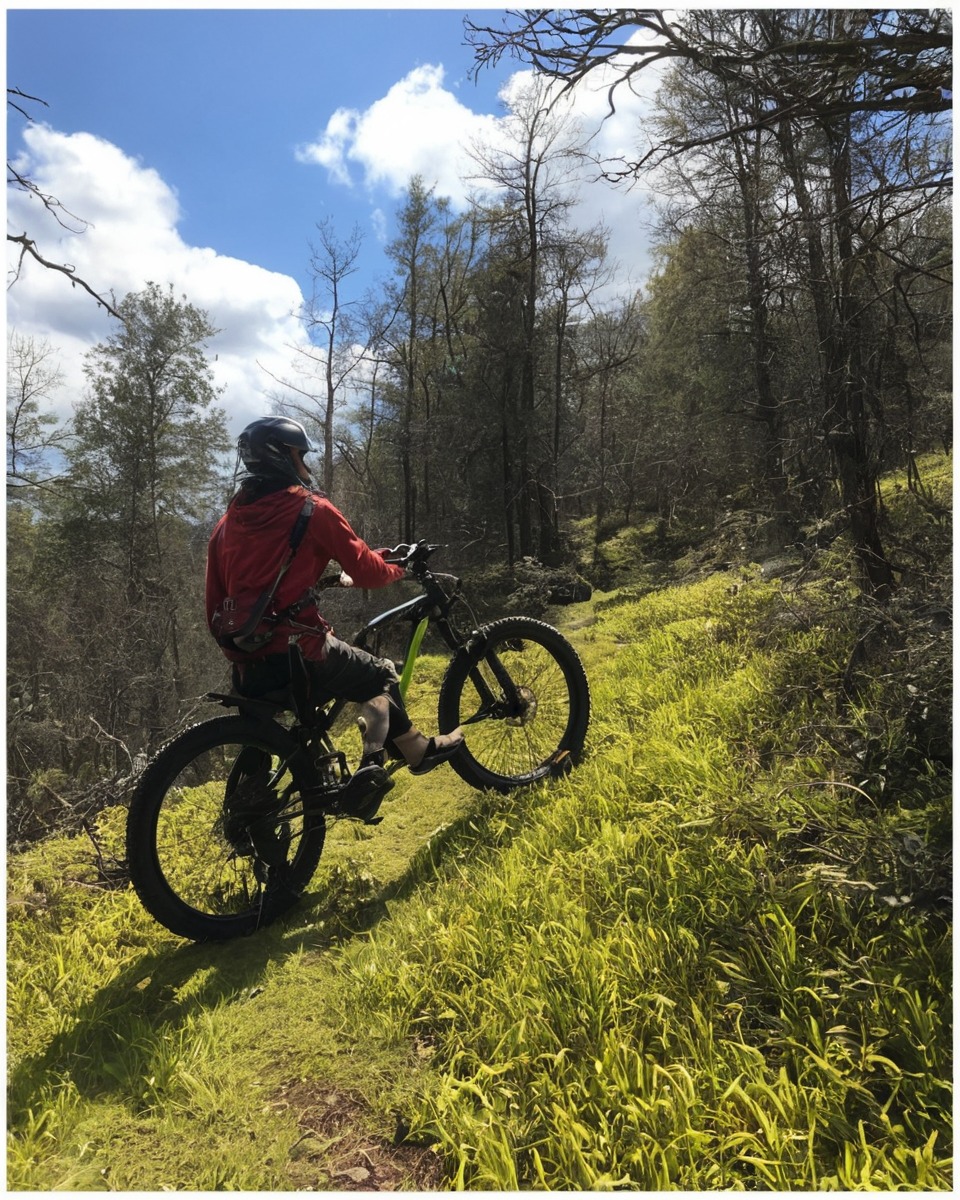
[520, 693]
[218, 842]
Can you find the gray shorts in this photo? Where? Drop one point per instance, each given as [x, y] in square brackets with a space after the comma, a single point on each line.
[349, 673]
[337, 671]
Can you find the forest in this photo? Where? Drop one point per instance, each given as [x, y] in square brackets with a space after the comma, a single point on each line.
[498, 395]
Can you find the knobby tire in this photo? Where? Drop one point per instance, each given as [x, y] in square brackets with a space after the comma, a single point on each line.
[535, 733]
[210, 808]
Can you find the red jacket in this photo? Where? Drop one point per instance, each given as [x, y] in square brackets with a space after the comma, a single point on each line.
[251, 541]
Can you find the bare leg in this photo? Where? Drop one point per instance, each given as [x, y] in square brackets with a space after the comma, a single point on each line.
[374, 724]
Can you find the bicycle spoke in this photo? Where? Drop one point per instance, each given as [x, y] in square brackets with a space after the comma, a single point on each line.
[523, 701]
[219, 840]
[207, 848]
[536, 694]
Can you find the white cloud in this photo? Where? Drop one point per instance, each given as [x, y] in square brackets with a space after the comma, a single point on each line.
[378, 219]
[332, 148]
[131, 239]
[417, 128]
[420, 127]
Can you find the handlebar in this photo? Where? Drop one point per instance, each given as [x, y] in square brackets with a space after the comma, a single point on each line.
[411, 556]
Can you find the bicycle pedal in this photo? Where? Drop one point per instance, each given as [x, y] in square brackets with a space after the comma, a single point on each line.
[560, 763]
[363, 792]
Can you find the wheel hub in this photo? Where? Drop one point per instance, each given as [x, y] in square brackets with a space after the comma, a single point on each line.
[525, 708]
[250, 803]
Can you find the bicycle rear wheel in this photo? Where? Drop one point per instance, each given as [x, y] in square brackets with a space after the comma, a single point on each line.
[519, 690]
[218, 843]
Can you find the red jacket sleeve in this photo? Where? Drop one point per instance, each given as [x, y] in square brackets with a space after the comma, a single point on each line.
[333, 536]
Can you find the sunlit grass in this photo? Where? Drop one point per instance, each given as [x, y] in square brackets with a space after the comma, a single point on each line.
[671, 979]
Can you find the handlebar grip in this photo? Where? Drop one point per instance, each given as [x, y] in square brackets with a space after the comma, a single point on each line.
[407, 554]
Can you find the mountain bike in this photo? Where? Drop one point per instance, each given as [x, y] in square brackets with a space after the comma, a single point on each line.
[226, 826]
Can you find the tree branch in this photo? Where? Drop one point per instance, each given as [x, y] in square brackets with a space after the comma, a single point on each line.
[54, 207]
[29, 246]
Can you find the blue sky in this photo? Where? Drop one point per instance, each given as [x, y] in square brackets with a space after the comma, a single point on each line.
[203, 146]
[217, 101]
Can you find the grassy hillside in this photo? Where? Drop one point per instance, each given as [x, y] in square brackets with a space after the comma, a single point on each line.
[716, 956]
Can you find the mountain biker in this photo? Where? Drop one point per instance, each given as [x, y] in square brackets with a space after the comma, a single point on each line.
[247, 553]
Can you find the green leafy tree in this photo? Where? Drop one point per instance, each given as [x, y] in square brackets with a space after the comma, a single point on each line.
[616, 418]
[850, 103]
[410, 294]
[544, 273]
[147, 473]
[420, 348]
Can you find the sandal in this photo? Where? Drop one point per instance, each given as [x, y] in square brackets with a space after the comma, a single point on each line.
[434, 755]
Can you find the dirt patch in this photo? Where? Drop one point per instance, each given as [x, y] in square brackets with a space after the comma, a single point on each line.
[337, 1151]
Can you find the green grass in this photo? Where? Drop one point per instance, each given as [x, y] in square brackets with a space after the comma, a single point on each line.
[671, 977]
[716, 956]
[137, 1061]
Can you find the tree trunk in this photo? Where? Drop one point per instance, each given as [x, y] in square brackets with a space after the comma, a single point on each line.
[508, 501]
[844, 413]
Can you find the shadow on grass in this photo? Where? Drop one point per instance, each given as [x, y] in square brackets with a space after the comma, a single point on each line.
[105, 1047]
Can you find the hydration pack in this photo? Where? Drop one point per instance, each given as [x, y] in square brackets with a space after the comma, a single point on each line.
[246, 621]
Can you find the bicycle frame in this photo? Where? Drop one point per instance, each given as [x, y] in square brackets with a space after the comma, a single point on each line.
[433, 606]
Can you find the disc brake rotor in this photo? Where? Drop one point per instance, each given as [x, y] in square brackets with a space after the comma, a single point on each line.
[527, 705]
[247, 811]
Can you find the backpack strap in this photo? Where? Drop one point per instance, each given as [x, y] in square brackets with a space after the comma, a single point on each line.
[300, 527]
[235, 640]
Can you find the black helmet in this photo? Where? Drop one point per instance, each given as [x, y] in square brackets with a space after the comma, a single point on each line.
[265, 447]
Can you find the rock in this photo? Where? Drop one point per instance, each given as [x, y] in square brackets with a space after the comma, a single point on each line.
[570, 592]
[354, 1174]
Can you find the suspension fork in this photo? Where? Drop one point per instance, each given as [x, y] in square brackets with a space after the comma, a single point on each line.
[476, 645]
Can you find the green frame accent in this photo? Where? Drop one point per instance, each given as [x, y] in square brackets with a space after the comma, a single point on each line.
[412, 652]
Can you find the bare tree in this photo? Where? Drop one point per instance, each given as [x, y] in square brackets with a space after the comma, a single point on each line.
[327, 318]
[34, 436]
[62, 215]
[336, 348]
[903, 56]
